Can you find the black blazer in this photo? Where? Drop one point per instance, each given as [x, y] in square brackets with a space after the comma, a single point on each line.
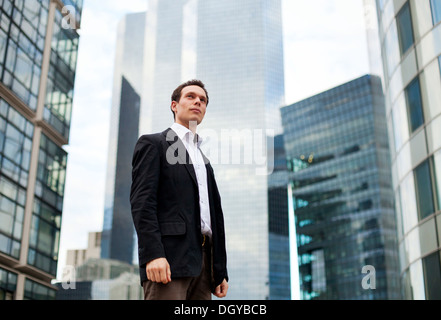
[164, 200]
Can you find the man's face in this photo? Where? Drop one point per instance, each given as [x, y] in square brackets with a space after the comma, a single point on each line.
[191, 106]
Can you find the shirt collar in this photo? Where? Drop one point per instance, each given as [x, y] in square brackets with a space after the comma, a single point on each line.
[182, 132]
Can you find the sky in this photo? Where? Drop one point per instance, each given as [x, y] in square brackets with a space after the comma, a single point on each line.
[324, 46]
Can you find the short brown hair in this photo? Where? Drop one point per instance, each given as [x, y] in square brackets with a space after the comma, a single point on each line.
[176, 96]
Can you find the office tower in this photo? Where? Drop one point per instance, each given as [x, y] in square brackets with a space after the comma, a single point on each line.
[278, 224]
[338, 157]
[118, 237]
[38, 55]
[410, 33]
[236, 49]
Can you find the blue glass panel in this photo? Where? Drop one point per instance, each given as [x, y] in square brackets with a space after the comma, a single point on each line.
[423, 184]
[414, 104]
[405, 32]
[436, 11]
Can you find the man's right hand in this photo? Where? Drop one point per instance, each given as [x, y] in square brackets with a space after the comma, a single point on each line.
[158, 270]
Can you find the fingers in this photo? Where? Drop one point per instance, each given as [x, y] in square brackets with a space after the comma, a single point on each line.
[220, 293]
[158, 270]
[221, 290]
[168, 273]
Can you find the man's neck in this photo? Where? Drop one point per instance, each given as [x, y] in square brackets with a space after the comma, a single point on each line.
[191, 125]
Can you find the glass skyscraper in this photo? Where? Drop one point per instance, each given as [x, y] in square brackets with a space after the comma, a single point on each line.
[38, 55]
[236, 49]
[410, 41]
[339, 174]
[118, 239]
[278, 224]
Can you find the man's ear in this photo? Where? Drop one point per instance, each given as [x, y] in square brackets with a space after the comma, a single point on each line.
[173, 106]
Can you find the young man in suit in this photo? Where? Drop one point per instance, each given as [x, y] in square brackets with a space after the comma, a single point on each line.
[176, 207]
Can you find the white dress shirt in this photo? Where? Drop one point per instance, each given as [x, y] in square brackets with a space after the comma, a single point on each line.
[187, 138]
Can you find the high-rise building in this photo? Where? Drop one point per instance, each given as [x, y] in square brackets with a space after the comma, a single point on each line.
[278, 224]
[410, 41]
[118, 238]
[38, 55]
[340, 179]
[236, 49]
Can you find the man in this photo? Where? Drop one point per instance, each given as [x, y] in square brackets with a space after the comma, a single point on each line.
[176, 207]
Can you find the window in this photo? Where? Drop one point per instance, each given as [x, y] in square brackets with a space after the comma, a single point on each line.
[48, 204]
[22, 37]
[439, 60]
[414, 104]
[8, 284]
[405, 32]
[424, 190]
[61, 77]
[15, 153]
[36, 291]
[437, 176]
[432, 275]
[436, 11]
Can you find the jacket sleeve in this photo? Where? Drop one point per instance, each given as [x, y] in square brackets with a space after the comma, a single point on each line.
[219, 250]
[143, 199]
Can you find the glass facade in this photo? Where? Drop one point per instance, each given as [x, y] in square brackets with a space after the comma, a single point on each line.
[48, 205]
[22, 37]
[436, 11]
[278, 224]
[338, 158]
[414, 105]
[37, 72]
[78, 9]
[37, 291]
[61, 77]
[236, 49]
[8, 284]
[15, 153]
[413, 112]
[405, 32]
